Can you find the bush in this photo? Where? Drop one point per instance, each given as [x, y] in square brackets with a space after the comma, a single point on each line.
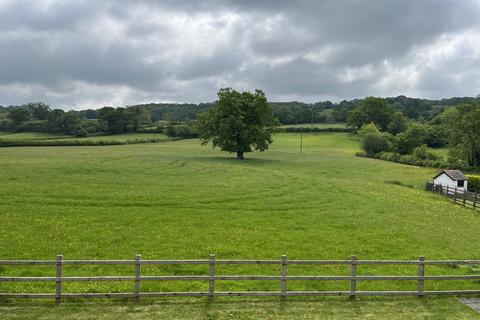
[423, 153]
[473, 183]
[410, 160]
[388, 156]
[181, 131]
[373, 143]
[6, 124]
[366, 129]
[33, 126]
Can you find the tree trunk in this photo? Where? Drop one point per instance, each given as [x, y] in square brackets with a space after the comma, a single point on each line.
[240, 155]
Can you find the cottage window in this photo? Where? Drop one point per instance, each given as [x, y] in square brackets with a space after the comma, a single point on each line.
[460, 183]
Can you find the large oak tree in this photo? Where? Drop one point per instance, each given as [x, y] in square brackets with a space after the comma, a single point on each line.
[239, 122]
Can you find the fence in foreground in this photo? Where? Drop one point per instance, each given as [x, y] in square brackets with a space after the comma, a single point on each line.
[465, 198]
[283, 278]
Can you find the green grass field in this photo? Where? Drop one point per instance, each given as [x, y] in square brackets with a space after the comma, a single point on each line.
[317, 125]
[178, 199]
[30, 136]
[331, 309]
[50, 136]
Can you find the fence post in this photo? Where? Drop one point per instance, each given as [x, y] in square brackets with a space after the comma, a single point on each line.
[455, 198]
[448, 192]
[211, 282]
[138, 270]
[464, 197]
[475, 200]
[283, 287]
[58, 279]
[353, 278]
[421, 275]
[441, 189]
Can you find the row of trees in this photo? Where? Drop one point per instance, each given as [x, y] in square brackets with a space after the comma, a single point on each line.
[392, 118]
[40, 117]
[458, 127]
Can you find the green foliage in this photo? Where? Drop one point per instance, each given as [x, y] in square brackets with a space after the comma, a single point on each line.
[239, 122]
[373, 143]
[410, 159]
[17, 116]
[473, 183]
[436, 136]
[357, 118]
[398, 124]
[423, 153]
[413, 137]
[38, 110]
[464, 135]
[185, 131]
[369, 128]
[372, 109]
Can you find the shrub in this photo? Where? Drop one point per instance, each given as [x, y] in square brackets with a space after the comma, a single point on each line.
[387, 156]
[413, 137]
[366, 129]
[473, 183]
[181, 131]
[373, 143]
[424, 153]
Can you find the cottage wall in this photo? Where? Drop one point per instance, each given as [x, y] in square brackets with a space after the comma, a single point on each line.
[445, 180]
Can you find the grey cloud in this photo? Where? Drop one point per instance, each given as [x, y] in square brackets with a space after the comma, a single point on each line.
[82, 52]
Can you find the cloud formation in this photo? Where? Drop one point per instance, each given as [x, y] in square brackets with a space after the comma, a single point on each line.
[78, 54]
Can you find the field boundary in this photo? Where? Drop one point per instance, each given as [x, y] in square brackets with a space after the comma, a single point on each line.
[283, 278]
[459, 196]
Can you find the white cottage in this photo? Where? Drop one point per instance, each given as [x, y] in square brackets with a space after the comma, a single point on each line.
[451, 178]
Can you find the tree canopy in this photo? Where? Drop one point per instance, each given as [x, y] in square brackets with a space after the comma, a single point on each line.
[372, 109]
[239, 122]
[464, 140]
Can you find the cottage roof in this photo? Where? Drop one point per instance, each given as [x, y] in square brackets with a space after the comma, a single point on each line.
[453, 174]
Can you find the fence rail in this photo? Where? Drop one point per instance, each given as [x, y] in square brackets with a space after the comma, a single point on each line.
[460, 196]
[137, 278]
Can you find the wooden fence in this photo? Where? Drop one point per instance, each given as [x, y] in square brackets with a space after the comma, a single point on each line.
[283, 278]
[465, 198]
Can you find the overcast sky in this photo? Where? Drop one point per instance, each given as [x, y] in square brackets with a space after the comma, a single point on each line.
[78, 54]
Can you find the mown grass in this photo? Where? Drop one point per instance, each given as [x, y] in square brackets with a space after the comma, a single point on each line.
[123, 137]
[317, 125]
[49, 136]
[35, 139]
[179, 200]
[30, 136]
[394, 309]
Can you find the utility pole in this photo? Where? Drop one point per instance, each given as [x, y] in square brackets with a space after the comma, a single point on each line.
[301, 139]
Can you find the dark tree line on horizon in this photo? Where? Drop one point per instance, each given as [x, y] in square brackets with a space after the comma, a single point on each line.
[168, 116]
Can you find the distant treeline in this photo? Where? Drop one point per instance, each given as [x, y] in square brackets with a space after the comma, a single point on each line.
[178, 119]
[389, 135]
